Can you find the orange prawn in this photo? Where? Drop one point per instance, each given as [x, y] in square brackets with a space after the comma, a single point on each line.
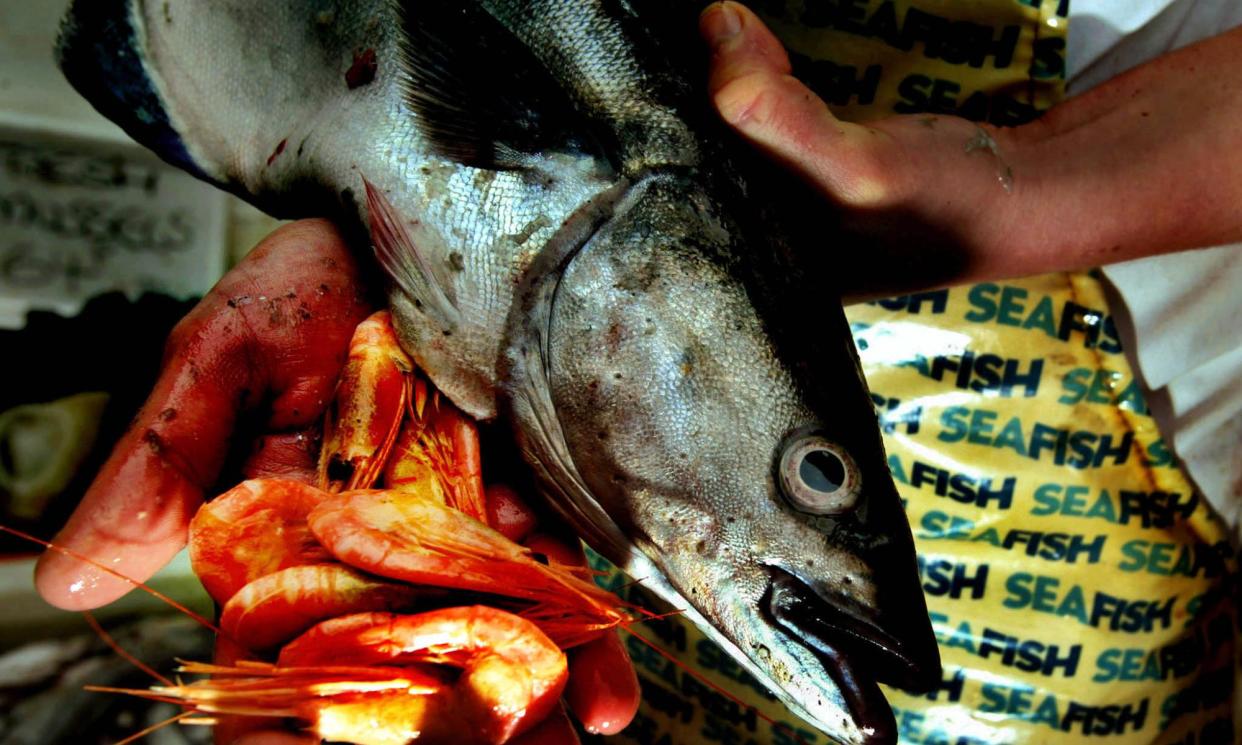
[325, 595]
[378, 679]
[361, 425]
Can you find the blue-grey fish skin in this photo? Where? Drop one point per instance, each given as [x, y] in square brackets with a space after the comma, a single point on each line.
[577, 247]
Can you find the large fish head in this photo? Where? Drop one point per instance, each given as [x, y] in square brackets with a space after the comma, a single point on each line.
[742, 459]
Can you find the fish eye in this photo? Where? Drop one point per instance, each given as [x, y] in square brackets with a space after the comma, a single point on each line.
[818, 476]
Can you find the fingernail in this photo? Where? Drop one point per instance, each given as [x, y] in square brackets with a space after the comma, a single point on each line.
[720, 23]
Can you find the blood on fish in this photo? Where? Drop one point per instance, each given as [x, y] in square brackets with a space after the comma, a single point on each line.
[280, 148]
[362, 71]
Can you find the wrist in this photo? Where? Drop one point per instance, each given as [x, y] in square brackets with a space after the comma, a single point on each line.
[947, 192]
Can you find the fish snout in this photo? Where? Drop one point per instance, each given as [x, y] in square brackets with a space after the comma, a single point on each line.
[857, 649]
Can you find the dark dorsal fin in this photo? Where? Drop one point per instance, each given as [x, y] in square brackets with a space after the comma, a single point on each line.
[481, 96]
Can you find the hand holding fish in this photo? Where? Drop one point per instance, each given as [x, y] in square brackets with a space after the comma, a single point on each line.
[1107, 176]
[261, 353]
[257, 362]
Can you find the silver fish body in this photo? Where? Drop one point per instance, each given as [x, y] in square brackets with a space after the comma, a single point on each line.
[573, 245]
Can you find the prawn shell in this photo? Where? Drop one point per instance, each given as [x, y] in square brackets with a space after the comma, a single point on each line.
[512, 673]
[278, 607]
[256, 528]
[410, 537]
[371, 400]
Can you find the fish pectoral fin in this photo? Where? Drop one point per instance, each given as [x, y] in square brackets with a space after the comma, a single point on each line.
[480, 95]
[420, 276]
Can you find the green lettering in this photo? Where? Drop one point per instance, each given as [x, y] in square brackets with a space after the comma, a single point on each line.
[1019, 595]
[1009, 313]
[962, 638]
[989, 536]
[1047, 713]
[953, 425]
[993, 698]
[1106, 667]
[1101, 387]
[1012, 437]
[1103, 507]
[1131, 397]
[1072, 382]
[980, 296]
[1184, 565]
[895, 468]
[981, 427]
[1161, 553]
[1151, 668]
[1073, 504]
[1042, 318]
[1074, 605]
[1135, 553]
[1046, 499]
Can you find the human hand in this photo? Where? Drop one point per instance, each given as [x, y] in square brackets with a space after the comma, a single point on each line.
[257, 362]
[883, 176]
[1148, 162]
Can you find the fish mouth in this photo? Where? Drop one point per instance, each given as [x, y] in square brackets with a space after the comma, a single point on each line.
[857, 653]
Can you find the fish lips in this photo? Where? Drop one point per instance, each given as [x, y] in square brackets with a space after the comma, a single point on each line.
[857, 653]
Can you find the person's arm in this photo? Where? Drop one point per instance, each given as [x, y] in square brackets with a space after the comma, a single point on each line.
[1149, 162]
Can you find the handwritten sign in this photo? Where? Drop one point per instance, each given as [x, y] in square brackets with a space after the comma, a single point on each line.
[79, 218]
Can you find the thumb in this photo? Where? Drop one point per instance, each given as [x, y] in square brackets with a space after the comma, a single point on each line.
[754, 92]
[271, 335]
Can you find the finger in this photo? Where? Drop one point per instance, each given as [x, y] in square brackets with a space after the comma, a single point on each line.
[602, 691]
[741, 45]
[285, 455]
[555, 729]
[753, 91]
[272, 332]
[508, 513]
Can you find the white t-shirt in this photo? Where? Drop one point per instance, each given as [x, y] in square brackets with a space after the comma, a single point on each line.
[1184, 310]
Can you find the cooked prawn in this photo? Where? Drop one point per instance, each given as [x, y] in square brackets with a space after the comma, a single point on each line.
[365, 416]
[277, 607]
[413, 538]
[438, 452]
[255, 528]
[384, 679]
[349, 576]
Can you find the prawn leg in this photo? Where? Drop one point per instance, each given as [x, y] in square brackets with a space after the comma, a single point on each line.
[438, 450]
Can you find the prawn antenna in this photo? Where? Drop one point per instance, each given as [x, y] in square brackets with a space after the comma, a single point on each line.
[121, 651]
[140, 585]
[157, 726]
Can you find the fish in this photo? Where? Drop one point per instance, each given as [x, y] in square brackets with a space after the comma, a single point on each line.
[575, 244]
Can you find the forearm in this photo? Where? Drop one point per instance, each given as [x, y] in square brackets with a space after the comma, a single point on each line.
[1149, 162]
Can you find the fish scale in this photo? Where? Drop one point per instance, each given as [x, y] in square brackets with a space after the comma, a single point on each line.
[574, 244]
